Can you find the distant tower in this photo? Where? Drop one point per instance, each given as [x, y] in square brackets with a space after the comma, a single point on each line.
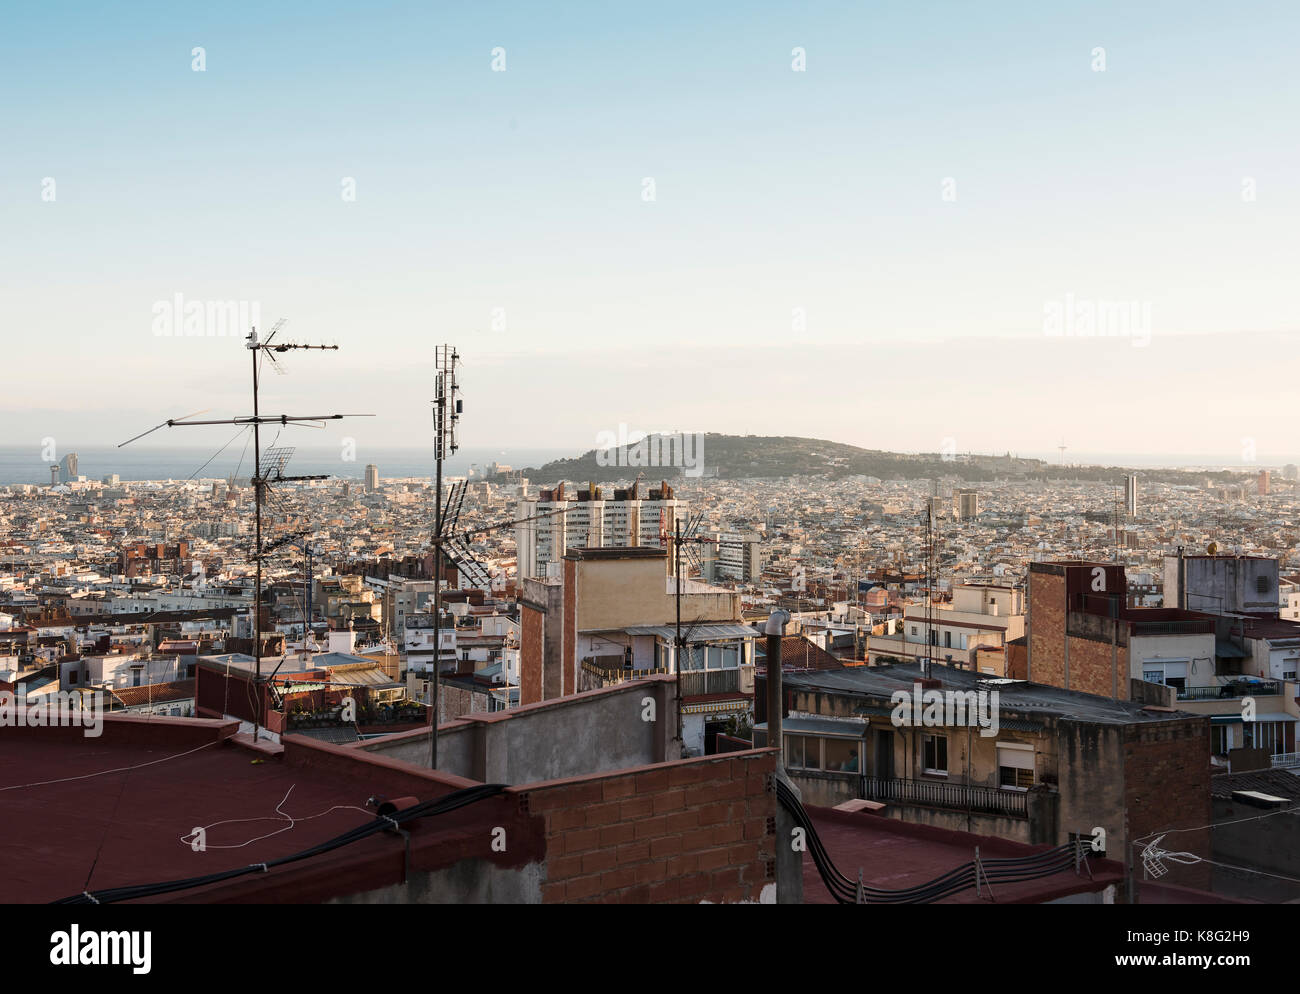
[1263, 482]
[372, 478]
[1062, 448]
[54, 476]
[68, 472]
[1131, 495]
[966, 504]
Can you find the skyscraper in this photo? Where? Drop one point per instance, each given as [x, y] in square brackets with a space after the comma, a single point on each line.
[68, 469]
[1131, 495]
[372, 478]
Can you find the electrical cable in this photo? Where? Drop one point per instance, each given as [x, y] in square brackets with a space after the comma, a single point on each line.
[1012, 870]
[424, 809]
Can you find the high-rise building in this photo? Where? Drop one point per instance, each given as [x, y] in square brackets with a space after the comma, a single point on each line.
[54, 476]
[68, 469]
[1263, 482]
[372, 478]
[555, 521]
[1290, 472]
[966, 504]
[1131, 495]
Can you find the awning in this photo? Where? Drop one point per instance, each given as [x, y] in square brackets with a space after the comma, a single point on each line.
[702, 633]
[824, 727]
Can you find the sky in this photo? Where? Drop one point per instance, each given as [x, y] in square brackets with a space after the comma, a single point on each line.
[654, 216]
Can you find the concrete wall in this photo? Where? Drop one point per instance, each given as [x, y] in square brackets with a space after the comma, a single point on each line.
[1266, 844]
[577, 735]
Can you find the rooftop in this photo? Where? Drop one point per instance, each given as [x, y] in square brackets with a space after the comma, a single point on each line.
[881, 682]
[894, 855]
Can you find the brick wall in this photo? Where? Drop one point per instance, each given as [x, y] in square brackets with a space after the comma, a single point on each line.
[1094, 670]
[1047, 627]
[685, 832]
[531, 621]
[568, 646]
[1166, 786]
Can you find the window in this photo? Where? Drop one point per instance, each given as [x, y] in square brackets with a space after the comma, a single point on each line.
[947, 640]
[1015, 767]
[1264, 735]
[803, 752]
[1220, 739]
[913, 629]
[844, 755]
[935, 754]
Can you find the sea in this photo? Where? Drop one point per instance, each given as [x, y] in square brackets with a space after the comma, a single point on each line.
[25, 464]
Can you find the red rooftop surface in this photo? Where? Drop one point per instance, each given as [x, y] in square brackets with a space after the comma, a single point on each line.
[894, 855]
[88, 814]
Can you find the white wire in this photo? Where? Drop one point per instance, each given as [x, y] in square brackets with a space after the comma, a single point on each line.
[101, 773]
[187, 838]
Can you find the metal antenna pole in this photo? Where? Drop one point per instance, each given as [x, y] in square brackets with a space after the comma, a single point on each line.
[257, 588]
[255, 346]
[677, 569]
[445, 416]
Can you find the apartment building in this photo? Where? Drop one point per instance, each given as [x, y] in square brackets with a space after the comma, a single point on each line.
[557, 520]
[612, 618]
[979, 615]
[1058, 764]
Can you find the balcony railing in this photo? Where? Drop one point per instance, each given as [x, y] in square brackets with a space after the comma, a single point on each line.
[729, 681]
[935, 794]
[1286, 761]
[1266, 688]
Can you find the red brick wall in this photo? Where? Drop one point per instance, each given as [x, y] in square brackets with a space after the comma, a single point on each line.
[530, 654]
[1047, 628]
[1017, 661]
[568, 647]
[1094, 670]
[685, 832]
[1166, 786]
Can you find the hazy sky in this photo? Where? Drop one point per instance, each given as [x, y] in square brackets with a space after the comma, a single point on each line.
[803, 267]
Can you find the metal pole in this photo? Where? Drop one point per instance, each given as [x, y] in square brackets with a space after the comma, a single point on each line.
[257, 587]
[441, 401]
[775, 630]
[677, 569]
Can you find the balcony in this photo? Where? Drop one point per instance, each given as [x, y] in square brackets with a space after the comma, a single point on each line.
[739, 680]
[936, 794]
[1262, 688]
[1286, 760]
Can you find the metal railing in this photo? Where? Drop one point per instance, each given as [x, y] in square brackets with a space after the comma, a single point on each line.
[1268, 688]
[695, 682]
[1286, 760]
[934, 794]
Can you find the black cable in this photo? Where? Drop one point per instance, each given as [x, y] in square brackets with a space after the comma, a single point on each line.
[845, 891]
[424, 809]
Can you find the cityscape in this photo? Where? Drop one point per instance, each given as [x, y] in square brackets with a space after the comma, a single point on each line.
[744, 458]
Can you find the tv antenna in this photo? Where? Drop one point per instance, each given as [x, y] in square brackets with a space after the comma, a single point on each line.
[446, 415]
[277, 458]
